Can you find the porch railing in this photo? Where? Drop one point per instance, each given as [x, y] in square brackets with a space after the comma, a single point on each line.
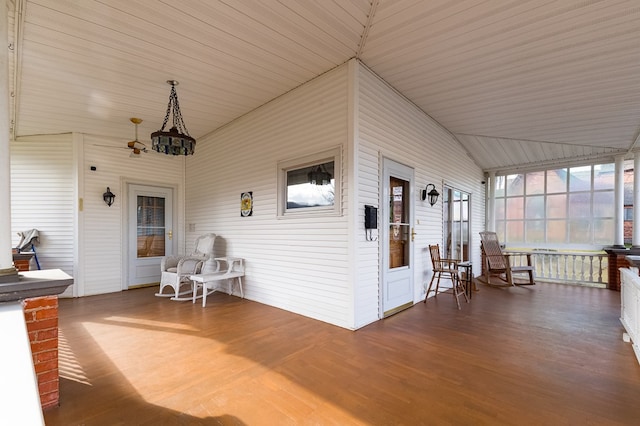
[582, 268]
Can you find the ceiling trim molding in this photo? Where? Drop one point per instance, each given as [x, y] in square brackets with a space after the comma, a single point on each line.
[367, 27]
[16, 50]
[563, 162]
[534, 141]
[635, 143]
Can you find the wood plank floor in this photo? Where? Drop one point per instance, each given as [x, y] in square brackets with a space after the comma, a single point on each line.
[545, 355]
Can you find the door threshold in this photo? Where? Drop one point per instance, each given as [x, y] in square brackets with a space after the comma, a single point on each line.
[397, 309]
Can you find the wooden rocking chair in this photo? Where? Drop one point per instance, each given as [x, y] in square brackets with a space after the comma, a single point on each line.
[497, 264]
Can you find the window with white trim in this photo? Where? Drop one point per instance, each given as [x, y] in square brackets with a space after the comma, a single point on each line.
[566, 206]
[310, 184]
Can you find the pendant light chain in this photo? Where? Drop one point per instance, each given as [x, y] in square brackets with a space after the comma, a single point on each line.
[178, 122]
[175, 141]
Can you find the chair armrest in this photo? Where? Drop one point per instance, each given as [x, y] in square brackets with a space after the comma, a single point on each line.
[450, 262]
[190, 264]
[169, 262]
[234, 264]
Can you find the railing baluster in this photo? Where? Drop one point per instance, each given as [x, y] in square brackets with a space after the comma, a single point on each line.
[582, 268]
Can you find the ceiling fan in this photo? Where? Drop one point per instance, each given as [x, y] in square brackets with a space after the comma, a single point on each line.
[136, 146]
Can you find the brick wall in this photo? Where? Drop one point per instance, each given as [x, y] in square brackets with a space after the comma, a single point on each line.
[41, 316]
[617, 260]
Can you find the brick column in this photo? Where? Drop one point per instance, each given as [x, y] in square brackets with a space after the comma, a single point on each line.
[41, 317]
[617, 260]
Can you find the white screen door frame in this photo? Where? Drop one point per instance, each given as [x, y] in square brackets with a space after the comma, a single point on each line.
[148, 240]
[397, 203]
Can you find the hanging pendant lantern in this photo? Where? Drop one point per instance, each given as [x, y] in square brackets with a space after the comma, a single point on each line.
[176, 141]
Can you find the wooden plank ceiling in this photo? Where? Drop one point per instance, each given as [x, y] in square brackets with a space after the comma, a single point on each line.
[521, 84]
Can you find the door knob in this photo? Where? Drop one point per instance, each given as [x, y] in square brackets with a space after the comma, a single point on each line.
[413, 234]
[170, 234]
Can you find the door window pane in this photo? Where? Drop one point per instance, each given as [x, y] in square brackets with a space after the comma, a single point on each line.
[398, 223]
[150, 227]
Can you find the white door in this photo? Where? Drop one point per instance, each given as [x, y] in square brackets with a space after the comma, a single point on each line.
[150, 232]
[397, 237]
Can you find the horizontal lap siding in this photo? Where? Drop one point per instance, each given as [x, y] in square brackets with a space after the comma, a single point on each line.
[390, 126]
[299, 264]
[367, 285]
[105, 249]
[43, 197]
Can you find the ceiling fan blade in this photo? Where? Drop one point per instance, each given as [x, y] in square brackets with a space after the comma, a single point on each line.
[137, 145]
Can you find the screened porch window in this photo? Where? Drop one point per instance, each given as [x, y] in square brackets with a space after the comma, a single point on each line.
[566, 206]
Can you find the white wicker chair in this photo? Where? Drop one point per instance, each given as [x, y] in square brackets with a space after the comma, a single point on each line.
[177, 269]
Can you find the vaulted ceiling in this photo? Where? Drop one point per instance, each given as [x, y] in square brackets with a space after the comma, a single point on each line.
[520, 84]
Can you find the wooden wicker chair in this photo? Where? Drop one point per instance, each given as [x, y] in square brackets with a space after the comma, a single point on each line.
[448, 267]
[497, 264]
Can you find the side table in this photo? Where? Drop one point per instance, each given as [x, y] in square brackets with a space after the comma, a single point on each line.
[467, 268]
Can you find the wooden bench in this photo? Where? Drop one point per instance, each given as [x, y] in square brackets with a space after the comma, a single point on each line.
[227, 268]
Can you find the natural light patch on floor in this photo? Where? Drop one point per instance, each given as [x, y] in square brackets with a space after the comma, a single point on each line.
[233, 387]
[68, 366]
[151, 323]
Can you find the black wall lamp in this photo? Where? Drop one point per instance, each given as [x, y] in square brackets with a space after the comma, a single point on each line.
[108, 197]
[433, 194]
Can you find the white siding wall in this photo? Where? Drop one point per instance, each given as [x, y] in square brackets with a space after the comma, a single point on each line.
[318, 266]
[50, 173]
[104, 241]
[298, 264]
[43, 197]
[390, 126]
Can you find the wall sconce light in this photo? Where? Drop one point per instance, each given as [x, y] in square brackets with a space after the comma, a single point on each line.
[108, 197]
[433, 194]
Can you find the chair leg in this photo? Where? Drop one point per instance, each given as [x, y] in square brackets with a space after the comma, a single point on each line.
[196, 286]
[240, 285]
[455, 294]
[205, 290]
[458, 289]
[430, 284]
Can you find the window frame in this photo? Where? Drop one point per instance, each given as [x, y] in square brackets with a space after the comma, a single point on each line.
[525, 221]
[333, 154]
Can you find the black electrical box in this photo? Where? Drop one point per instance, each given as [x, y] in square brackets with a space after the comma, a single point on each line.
[370, 217]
